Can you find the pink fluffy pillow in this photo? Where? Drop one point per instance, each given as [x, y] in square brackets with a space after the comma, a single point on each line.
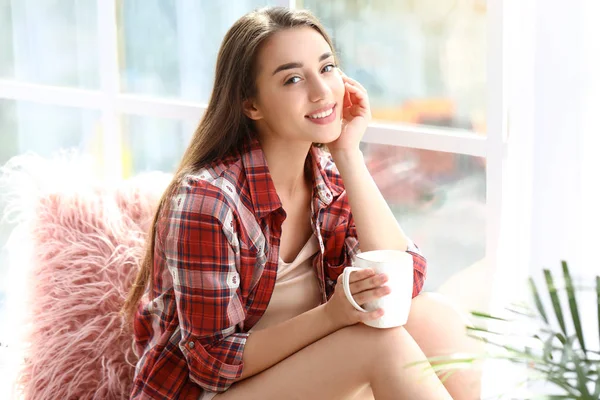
[87, 242]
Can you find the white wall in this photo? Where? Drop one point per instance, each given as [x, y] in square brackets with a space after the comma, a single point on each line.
[551, 193]
[566, 167]
[566, 153]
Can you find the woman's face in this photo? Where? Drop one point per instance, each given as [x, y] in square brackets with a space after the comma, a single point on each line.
[300, 90]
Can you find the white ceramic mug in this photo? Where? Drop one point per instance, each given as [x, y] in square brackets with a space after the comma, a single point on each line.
[398, 266]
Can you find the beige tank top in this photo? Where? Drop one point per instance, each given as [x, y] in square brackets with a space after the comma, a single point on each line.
[296, 288]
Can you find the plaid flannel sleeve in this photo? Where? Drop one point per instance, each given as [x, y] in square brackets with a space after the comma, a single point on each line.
[419, 268]
[344, 243]
[201, 249]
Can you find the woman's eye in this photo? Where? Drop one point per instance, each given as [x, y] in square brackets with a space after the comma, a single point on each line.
[293, 79]
[328, 68]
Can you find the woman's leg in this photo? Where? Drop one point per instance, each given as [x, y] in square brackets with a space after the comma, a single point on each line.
[439, 329]
[341, 365]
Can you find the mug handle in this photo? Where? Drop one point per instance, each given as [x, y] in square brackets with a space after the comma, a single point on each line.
[346, 284]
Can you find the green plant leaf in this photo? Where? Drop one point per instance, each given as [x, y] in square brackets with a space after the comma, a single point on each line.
[538, 301]
[597, 390]
[523, 312]
[555, 300]
[582, 379]
[480, 314]
[573, 304]
[568, 355]
[549, 347]
[484, 330]
[567, 386]
[598, 294]
[558, 335]
[563, 361]
[451, 361]
[560, 380]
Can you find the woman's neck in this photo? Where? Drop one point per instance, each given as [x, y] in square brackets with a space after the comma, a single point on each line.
[286, 161]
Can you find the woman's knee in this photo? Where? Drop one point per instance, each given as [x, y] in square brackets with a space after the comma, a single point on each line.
[357, 336]
[371, 342]
[439, 327]
[432, 311]
[431, 315]
[374, 343]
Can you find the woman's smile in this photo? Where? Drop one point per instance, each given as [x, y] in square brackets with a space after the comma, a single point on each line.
[323, 116]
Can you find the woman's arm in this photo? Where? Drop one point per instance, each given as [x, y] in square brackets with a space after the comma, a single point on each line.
[376, 225]
[269, 346]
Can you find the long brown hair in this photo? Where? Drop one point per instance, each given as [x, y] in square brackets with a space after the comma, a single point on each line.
[224, 125]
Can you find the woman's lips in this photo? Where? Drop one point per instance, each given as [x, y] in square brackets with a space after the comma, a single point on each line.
[327, 120]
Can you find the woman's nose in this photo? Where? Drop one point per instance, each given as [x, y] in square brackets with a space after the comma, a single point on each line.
[319, 89]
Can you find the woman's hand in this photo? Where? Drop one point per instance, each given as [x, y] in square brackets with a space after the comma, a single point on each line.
[356, 116]
[365, 286]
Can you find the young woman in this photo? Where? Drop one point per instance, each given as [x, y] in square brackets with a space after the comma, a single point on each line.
[257, 225]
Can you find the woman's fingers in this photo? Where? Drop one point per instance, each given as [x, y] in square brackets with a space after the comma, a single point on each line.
[355, 91]
[353, 82]
[371, 315]
[372, 294]
[347, 100]
[347, 79]
[360, 275]
[359, 98]
[368, 283]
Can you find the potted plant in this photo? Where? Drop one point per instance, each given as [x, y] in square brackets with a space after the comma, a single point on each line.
[546, 341]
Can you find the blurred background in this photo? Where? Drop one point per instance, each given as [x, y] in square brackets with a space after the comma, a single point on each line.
[484, 140]
[422, 61]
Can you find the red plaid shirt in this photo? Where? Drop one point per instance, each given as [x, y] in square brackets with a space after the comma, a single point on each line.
[216, 257]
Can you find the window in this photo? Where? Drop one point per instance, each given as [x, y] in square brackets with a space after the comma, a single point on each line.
[21, 123]
[50, 43]
[439, 200]
[185, 37]
[153, 143]
[133, 79]
[421, 62]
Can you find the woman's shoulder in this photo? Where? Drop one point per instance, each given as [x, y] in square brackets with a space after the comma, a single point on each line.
[211, 184]
[210, 172]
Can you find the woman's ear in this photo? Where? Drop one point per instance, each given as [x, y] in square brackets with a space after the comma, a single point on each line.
[251, 110]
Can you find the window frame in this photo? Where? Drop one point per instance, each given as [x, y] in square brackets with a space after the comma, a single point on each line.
[112, 104]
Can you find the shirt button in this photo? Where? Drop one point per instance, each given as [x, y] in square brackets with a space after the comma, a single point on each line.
[192, 345]
[154, 304]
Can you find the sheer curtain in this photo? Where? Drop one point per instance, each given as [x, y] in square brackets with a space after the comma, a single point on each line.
[551, 194]
[566, 168]
[551, 197]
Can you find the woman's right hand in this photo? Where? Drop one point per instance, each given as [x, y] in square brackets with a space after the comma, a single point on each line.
[365, 286]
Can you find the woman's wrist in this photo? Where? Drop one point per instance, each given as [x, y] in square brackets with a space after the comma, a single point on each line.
[335, 323]
[344, 158]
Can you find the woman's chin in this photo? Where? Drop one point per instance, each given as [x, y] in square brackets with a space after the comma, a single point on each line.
[330, 137]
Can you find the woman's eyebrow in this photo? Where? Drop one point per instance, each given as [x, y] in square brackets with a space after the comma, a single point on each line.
[293, 65]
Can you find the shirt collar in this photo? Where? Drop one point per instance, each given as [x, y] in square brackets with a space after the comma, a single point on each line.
[262, 190]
